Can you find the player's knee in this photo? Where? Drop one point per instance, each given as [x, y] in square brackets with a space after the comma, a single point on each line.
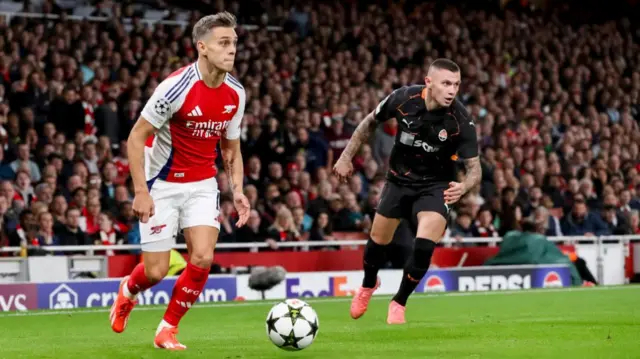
[156, 273]
[202, 259]
[431, 225]
[380, 236]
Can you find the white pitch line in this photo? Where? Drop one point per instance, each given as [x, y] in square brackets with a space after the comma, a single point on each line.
[257, 303]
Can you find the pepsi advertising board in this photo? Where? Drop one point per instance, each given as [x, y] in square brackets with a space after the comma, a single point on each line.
[495, 278]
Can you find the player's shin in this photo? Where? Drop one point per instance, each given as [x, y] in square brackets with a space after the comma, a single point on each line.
[416, 268]
[185, 293]
[138, 282]
[374, 258]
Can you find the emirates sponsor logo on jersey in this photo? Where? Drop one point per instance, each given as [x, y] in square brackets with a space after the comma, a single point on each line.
[207, 129]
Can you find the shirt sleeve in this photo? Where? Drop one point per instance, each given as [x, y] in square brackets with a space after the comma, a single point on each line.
[468, 147]
[233, 131]
[160, 107]
[387, 107]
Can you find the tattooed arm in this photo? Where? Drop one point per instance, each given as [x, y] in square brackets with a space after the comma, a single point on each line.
[473, 173]
[360, 135]
[233, 165]
[384, 111]
[468, 152]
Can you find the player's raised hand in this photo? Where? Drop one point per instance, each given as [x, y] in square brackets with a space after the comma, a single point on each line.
[343, 169]
[143, 206]
[241, 202]
[453, 193]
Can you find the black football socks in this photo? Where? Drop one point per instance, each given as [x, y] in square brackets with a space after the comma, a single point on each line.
[374, 257]
[416, 268]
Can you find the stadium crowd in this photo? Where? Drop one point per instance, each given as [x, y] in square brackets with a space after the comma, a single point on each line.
[556, 105]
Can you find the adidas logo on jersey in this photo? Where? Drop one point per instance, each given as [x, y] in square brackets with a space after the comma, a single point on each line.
[195, 112]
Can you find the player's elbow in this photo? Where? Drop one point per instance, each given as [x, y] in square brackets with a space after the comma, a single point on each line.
[140, 132]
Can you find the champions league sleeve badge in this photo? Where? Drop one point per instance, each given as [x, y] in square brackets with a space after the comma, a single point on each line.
[162, 106]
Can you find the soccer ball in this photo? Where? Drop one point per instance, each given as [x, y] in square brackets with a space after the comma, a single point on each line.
[292, 325]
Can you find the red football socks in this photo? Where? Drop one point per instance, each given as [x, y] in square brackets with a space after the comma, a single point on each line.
[138, 281]
[186, 291]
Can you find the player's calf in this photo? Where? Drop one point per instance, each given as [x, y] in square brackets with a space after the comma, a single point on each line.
[416, 268]
[185, 293]
[375, 256]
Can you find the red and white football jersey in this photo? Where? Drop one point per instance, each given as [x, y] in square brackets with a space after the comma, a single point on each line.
[191, 118]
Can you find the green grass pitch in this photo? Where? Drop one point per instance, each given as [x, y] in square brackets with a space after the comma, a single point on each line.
[580, 323]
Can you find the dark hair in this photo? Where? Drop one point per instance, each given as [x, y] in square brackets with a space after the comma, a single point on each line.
[207, 23]
[78, 190]
[328, 230]
[23, 215]
[69, 209]
[444, 64]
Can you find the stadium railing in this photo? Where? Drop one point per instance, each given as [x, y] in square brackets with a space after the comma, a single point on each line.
[346, 242]
[127, 21]
[90, 255]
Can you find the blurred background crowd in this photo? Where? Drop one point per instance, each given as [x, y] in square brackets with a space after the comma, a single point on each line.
[555, 94]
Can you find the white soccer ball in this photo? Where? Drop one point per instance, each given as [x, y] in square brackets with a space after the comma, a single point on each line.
[292, 325]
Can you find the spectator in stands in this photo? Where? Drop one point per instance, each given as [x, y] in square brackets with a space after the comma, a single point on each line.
[483, 226]
[322, 203]
[70, 233]
[462, 226]
[46, 234]
[23, 190]
[321, 229]
[58, 209]
[583, 222]
[342, 218]
[24, 155]
[44, 193]
[383, 141]
[283, 229]
[254, 230]
[303, 221]
[18, 237]
[108, 233]
[617, 224]
[6, 170]
[511, 212]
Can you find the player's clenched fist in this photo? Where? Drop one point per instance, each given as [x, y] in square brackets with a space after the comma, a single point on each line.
[143, 206]
[343, 169]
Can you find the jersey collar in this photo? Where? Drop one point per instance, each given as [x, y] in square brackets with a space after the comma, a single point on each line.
[195, 67]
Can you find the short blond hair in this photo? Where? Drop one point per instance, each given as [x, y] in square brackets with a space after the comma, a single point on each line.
[209, 22]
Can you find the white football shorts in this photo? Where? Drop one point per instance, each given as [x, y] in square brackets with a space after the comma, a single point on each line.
[179, 205]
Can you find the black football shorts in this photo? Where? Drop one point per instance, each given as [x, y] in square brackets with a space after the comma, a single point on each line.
[406, 202]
